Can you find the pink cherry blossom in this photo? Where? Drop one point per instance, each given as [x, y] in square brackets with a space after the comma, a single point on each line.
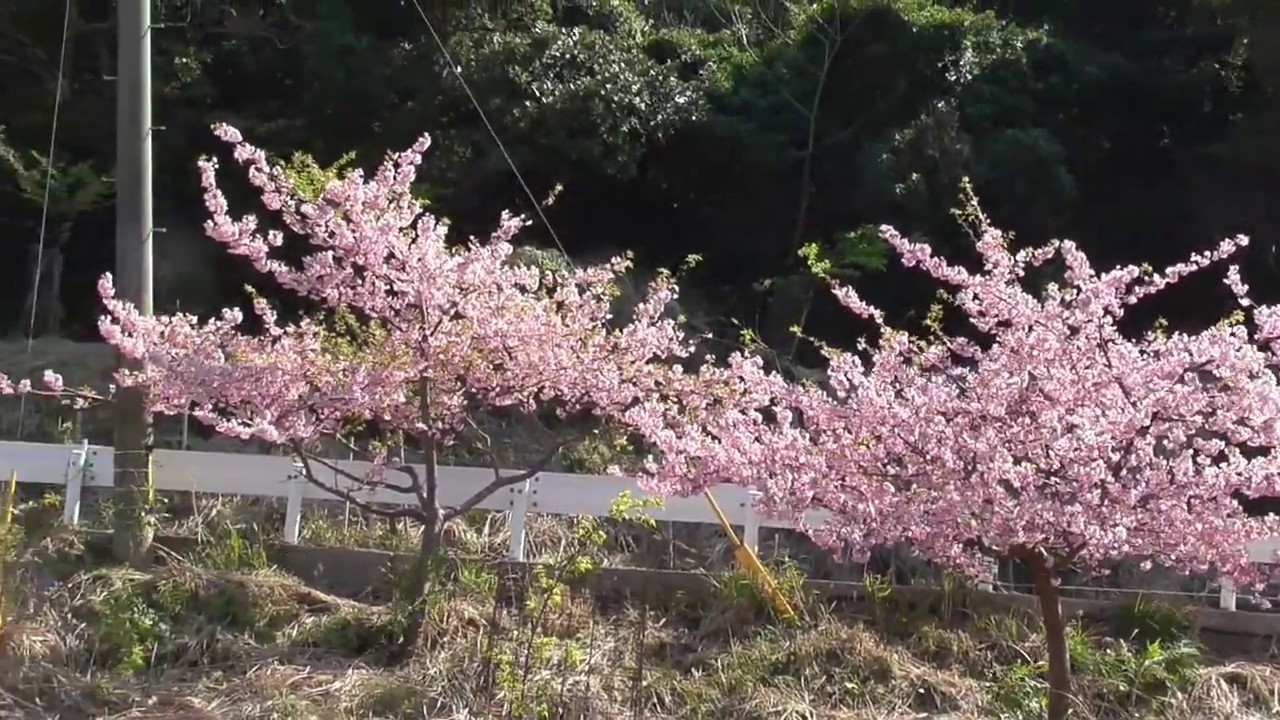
[456, 328]
[53, 381]
[1052, 437]
[459, 318]
[1055, 434]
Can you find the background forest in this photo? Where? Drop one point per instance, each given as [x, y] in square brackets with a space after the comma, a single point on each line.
[740, 131]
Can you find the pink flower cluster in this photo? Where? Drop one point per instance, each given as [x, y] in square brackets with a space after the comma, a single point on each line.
[460, 318]
[1054, 434]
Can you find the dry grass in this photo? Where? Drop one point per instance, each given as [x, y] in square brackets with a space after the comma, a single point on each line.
[220, 635]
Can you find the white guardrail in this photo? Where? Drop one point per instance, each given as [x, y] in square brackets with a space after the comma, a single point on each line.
[75, 467]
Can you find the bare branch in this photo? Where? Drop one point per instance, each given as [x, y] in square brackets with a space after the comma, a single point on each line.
[309, 475]
[763, 16]
[501, 481]
[488, 441]
[739, 27]
[406, 469]
[77, 399]
[349, 445]
[415, 480]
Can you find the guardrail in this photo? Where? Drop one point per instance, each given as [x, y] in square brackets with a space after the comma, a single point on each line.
[75, 467]
[90, 466]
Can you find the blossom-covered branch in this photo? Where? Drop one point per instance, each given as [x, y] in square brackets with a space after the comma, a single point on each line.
[1051, 436]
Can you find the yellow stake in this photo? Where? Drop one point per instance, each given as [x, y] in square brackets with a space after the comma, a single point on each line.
[10, 501]
[752, 566]
[6, 519]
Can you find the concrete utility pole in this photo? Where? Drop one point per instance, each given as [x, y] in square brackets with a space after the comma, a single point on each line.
[132, 536]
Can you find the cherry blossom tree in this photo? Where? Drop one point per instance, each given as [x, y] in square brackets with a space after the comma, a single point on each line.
[444, 332]
[1047, 435]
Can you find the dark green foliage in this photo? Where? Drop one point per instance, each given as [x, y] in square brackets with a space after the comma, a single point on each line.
[738, 130]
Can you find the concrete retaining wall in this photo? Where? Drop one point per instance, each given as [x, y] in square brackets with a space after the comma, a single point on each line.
[358, 572]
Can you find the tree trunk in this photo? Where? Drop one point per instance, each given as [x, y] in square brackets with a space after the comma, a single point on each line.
[432, 532]
[416, 586]
[429, 548]
[1055, 630]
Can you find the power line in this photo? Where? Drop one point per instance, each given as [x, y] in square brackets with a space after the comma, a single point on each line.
[44, 210]
[475, 102]
[457, 71]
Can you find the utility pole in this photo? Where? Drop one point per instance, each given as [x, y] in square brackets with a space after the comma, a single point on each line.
[131, 481]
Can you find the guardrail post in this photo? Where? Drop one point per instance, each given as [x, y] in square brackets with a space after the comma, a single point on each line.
[989, 585]
[519, 511]
[1227, 594]
[293, 505]
[74, 484]
[751, 523]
